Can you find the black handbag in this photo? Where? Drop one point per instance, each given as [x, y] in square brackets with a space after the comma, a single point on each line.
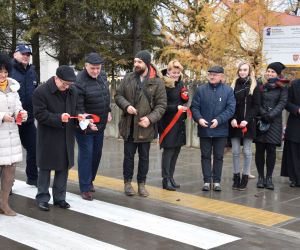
[262, 126]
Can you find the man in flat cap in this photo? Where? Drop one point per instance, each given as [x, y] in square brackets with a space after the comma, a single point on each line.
[212, 106]
[142, 97]
[25, 74]
[94, 98]
[53, 104]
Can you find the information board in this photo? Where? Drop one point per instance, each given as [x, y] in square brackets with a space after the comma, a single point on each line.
[282, 44]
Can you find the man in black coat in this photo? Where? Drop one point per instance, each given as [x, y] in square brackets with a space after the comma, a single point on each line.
[290, 166]
[53, 104]
[93, 98]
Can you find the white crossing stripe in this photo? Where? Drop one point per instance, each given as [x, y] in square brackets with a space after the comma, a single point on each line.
[157, 225]
[40, 235]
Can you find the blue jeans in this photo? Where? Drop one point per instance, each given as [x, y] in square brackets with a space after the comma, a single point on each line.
[236, 151]
[89, 156]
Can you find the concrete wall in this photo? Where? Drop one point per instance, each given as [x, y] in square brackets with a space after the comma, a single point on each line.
[48, 65]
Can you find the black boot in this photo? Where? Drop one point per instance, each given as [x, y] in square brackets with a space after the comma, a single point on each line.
[269, 183]
[173, 183]
[260, 182]
[236, 181]
[244, 182]
[167, 185]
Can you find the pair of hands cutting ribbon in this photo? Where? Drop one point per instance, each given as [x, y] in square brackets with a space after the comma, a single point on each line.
[84, 120]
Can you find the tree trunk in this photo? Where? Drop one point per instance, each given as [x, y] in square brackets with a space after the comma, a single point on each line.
[35, 41]
[297, 8]
[62, 57]
[137, 32]
[14, 27]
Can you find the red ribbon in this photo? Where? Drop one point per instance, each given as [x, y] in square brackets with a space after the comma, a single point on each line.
[19, 119]
[184, 94]
[172, 123]
[95, 118]
[244, 129]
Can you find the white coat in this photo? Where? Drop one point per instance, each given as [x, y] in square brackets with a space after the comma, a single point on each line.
[10, 144]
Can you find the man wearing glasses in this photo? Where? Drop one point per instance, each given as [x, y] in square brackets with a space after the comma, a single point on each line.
[54, 106]
[212, 106]
[25, 74]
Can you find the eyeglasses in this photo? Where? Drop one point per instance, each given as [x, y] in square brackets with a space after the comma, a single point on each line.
[65, 83]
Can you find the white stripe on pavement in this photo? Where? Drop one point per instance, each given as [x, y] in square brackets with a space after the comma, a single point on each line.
[40, 235]
[157, 225]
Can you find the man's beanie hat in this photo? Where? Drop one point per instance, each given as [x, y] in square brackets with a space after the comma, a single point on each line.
[94, 58]
[145, 56]
[277, 67]
[216, 69]
[66, 73]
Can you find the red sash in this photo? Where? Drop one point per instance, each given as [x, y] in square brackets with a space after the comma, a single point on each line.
[172, 123]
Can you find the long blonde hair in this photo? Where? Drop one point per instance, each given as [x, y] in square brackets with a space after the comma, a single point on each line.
[251, 75]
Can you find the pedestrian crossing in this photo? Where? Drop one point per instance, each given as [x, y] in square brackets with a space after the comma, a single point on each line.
[41, 235]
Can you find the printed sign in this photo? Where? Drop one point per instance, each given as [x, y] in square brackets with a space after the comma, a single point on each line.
[282, 44]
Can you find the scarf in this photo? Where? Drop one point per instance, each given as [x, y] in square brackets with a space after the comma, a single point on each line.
[3, 85]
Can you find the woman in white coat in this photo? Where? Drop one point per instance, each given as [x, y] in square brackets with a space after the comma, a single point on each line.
[10, 144]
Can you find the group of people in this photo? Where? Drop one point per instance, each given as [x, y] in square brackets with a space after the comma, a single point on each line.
[69, 107]
[65, 107]
[248, 111]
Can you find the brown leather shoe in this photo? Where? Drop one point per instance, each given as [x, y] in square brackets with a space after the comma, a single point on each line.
[128, 189]
[87, 196]
[142, 190]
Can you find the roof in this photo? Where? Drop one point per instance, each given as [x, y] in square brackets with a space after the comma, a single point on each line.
[274, 18]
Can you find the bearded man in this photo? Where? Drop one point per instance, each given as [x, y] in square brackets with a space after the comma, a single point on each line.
[142, 97]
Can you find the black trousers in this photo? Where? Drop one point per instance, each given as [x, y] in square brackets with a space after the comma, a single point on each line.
[215, 145]
[260, 159]
[168, 161]
[27, 134]
[59, 187]
[128, 163]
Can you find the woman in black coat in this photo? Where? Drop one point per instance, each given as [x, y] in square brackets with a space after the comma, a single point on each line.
[290, 166]
[176, 137]
[274, 95]
[243, 123]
